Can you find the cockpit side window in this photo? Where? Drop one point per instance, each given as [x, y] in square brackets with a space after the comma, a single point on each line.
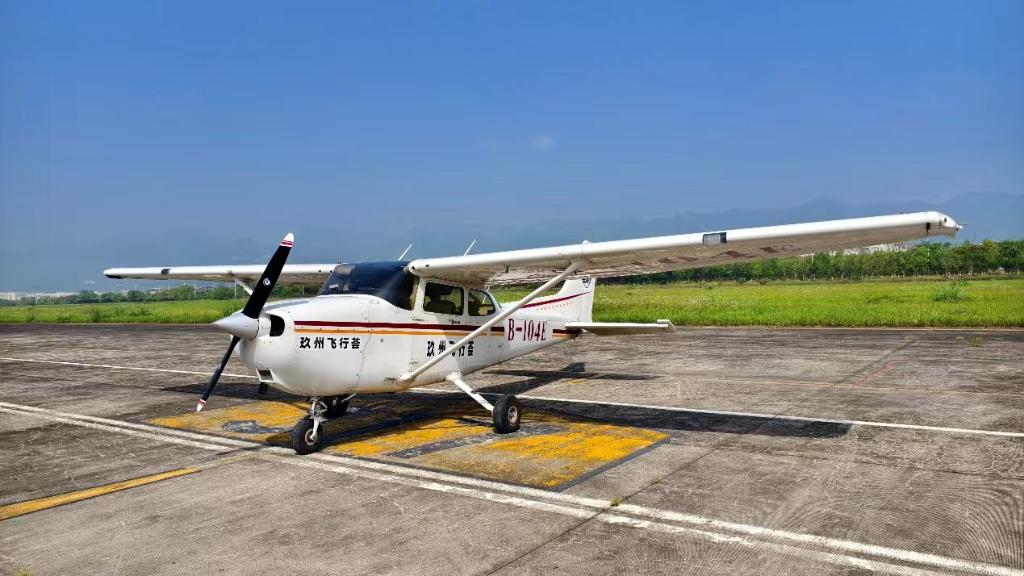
[480, 303]
[442, 299]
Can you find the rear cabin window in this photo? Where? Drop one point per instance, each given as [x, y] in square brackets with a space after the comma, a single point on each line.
[480, 303]
[386, 280]
[442, 299]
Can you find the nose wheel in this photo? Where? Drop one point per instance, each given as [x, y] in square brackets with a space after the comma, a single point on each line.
[308, 433]
[307, 437]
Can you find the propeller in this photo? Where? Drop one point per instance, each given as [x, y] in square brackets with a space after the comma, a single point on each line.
[245, 325]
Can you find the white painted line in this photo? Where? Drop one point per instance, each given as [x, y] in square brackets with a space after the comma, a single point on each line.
[112, 367]
[46, 413]
[118, 429]
[944, 429]
[564, 504]
[842, 560]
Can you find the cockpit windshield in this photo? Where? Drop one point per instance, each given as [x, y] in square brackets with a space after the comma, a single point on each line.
[386, 280]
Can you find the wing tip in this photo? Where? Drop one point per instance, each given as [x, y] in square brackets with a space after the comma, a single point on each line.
[947, 222]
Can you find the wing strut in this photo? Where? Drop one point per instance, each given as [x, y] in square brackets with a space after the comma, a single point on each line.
[505, 313]
[456, 378]
[246, 287]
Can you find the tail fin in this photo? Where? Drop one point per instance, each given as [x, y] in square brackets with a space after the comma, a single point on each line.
[578, 297]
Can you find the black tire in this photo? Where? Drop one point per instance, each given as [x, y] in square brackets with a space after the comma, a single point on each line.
[506, 414]
[336, 407]
[303, 441]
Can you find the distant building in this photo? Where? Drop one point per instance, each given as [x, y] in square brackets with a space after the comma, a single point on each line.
[45, 295]
[10, 296]
[893, 247]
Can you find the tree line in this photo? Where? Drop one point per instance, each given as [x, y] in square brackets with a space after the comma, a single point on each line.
[929, 259]
[183, 292]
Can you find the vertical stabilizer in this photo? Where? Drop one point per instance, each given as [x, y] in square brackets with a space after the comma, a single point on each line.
[575, 300]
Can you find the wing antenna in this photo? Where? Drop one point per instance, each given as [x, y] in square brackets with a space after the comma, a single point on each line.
[406, 251]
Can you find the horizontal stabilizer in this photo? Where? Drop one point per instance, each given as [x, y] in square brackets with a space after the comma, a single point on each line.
[622, 328]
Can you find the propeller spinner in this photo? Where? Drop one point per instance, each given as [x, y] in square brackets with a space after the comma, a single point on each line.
[245, 325]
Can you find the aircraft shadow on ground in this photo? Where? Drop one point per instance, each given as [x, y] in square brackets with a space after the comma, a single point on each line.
[424, 405]
[245, 389]
[537, 378]
[668, 420]
[645, 417]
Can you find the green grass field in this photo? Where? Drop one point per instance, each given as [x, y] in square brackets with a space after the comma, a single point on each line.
[876, 303]
[975, 303]
[178, 312]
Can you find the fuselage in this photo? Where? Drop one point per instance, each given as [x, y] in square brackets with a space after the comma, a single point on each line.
[345, 343]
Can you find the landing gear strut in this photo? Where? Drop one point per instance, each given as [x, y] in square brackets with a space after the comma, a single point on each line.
[505, 412]
[308, 434]
[337, 406]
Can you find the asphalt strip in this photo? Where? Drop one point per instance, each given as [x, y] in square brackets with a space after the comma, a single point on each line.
[942, 429]
[831, 550]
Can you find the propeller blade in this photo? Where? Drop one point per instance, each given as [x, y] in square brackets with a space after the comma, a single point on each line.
[261, 292]
[245, 324]
[216, 375]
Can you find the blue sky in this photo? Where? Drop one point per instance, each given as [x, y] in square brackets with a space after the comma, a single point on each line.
[128, 127]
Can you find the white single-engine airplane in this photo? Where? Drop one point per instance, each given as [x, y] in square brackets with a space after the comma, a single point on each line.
[391, 326]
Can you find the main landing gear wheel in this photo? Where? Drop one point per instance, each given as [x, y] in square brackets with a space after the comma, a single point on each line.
[303, 439]
[506, 414]
[336, 407]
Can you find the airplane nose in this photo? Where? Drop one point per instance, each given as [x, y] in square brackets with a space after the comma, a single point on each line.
[239, 325]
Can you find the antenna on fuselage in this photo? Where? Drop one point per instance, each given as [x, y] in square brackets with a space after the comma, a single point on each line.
[406, 251]
[471, 244]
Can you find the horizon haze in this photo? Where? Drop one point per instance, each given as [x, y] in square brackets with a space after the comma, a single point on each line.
[187, 133]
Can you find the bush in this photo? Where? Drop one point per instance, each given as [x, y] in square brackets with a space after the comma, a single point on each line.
[951, 292]
[96, 314]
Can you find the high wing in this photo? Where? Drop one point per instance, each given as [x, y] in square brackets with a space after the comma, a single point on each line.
[663, 253]
[248, 273]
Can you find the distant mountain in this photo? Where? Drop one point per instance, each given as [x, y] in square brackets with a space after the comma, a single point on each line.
[67, 264]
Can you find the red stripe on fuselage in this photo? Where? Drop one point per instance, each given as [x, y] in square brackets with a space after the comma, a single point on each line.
[393, 325]
[562, 299]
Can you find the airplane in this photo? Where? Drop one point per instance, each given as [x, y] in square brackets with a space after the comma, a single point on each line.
[394, 325]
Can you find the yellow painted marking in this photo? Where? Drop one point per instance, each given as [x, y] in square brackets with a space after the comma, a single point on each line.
[265, 414]
[410, 436]
[27, 507]
[545, 460]
[563, 451]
